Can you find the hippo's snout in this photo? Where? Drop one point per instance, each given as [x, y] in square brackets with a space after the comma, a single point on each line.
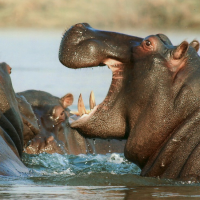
[83, 46]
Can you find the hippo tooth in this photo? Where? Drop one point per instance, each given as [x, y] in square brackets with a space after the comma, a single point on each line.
[92, 100]
[81, 106]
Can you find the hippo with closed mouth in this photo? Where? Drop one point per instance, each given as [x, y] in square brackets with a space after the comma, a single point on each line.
[153, 100]
[55, 135]
[11, 128]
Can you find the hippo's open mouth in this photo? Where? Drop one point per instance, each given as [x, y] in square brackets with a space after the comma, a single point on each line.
[83, 46]
[117, 69]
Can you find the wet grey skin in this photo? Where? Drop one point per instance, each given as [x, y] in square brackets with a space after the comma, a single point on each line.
[153, 100]
[11, 128]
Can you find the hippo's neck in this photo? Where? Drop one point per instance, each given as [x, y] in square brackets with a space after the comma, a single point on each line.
[159, 114]
[169, 161]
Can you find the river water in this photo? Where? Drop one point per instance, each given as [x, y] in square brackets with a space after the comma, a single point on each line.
[33, 56]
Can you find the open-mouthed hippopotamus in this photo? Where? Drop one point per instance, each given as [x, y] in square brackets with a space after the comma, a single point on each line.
[153, 99]
[56, 136]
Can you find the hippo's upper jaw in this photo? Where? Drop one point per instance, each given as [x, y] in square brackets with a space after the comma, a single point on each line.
[84, 46]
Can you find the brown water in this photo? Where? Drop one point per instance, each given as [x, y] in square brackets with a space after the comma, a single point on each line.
[101, 193]
[33, 55]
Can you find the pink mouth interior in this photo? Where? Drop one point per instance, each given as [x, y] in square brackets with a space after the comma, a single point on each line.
[116, 68]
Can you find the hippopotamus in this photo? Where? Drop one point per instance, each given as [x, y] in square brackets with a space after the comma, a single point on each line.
[49, 112]
[56, 136]
[11, 128]
[153, 100]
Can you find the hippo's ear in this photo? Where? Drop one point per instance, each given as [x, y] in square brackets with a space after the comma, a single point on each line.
[67, 100]
[195, 45]
[180, 51]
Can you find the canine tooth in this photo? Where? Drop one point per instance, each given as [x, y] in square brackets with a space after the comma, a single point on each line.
[81, 106]
[92, 100]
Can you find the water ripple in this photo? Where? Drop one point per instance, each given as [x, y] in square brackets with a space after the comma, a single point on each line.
[54, 164]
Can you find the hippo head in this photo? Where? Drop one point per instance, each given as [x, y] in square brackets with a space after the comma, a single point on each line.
[153, 99]
[162, 94]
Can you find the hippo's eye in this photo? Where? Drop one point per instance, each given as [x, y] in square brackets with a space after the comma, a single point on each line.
[147, 42]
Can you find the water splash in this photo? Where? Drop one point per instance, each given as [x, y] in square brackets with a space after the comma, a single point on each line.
[85, 170]
[53, 164]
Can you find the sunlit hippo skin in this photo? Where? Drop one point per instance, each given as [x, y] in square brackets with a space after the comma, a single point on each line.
[153, 99]
[11, 128]
[50, 111]
[30, 125]
[39, 98]
[56, 135]
[90, 47]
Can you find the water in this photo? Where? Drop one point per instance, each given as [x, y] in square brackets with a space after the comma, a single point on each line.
[33, 55]
[108, 176]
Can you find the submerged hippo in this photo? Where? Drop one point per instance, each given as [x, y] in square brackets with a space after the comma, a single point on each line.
[49, 112]
[153, 99]
[56, 136]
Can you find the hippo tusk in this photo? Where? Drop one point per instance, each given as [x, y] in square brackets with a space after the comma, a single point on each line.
[92, 100]
[81, 106]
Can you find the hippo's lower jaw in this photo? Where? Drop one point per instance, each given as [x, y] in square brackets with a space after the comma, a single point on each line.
[84, 117]
[108, 107]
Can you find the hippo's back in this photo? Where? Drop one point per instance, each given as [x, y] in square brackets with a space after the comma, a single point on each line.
[39, 98]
